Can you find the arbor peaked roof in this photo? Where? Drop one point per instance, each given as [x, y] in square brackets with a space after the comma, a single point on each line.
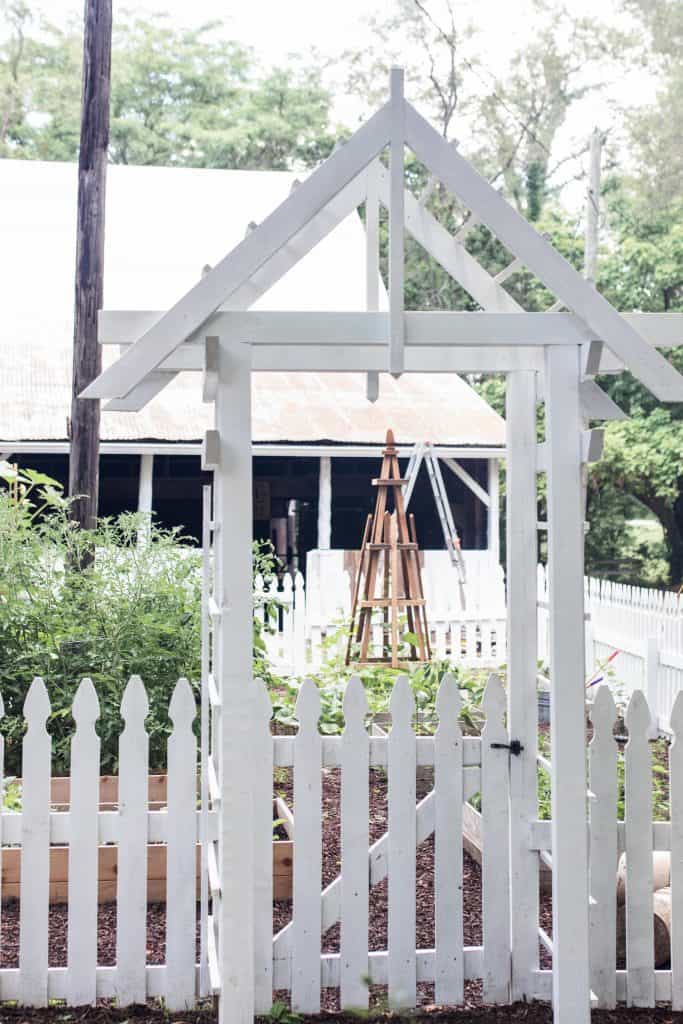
[300, 221]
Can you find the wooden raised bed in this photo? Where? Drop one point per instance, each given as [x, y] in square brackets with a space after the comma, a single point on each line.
[283, 850]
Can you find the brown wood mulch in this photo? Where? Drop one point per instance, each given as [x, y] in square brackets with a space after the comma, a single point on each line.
[473, 1010]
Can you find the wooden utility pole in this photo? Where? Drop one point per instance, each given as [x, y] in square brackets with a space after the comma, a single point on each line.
[92, 174]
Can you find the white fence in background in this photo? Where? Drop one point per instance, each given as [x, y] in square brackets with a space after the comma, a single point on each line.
[310, 625]
[86, 830]
[634, 637]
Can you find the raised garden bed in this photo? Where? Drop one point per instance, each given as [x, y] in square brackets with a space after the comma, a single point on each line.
[283, 850]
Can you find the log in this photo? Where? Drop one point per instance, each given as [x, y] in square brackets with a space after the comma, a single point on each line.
[661, 910]
[661, 873]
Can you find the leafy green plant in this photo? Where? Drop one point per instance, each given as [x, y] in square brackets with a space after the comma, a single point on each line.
[135, 610]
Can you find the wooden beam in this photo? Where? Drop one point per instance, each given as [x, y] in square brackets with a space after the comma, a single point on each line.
[494, 510]
[469, 481]
[197, 305]
[324, 503]
[396, 223]
[92, 178]
[571, 988]
[372, 274]
[659, 376]
[145, 494]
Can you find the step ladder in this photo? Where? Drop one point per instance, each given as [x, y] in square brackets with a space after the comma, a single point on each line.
[424, 452]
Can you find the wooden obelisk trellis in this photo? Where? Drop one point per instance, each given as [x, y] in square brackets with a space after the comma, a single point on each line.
[389, 542]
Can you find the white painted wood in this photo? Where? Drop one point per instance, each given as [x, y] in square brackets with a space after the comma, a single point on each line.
[145, 493]
[603, 849]
[355, 811]
[131, 889]
[652, 684]
[448, 857]
[233, 671]
[541, 258]
[676, 812]
[396, 221]
[469, 481]
[638, 811]
[372, 273]
[495, 828]
[181, 850]
[263, 849]
[306, 936]
[35, 850]
[325, 503]
[244, 260]
[401, 759]
[84, 805]
[597, 404]
[205, 713]
[571, 988]
[522, 548]
[493, 534]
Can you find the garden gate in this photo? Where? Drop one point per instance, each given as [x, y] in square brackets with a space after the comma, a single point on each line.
[552, 355]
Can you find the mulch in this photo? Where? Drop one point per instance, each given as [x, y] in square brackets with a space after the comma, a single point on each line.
[473, 1010]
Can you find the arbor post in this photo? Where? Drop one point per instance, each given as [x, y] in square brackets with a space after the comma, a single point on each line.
[522, 646]
[571, 989]
[233, 649]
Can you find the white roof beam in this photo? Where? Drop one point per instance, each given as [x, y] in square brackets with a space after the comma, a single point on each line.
[194, 308]
[659, 376]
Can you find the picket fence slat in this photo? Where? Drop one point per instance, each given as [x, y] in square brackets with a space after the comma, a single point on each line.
[35, 849]
[263, 854]
[131, 891]
[308, 860]
[82, 893]
[638, 800]
[355, 812]
[676, 808]
[495, 869]
[402, 842]
[603, 848]
[181, 858]
[448, 855]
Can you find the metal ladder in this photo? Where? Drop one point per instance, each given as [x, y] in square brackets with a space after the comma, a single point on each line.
[424, 451]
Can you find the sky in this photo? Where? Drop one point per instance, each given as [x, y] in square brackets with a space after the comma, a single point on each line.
[323, 29]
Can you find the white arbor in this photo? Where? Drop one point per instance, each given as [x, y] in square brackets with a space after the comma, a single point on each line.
[550, 356]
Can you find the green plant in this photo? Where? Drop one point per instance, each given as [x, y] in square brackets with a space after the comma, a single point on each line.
[135, 610]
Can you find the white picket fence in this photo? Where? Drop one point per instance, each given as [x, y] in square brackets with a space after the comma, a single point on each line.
[85, 829]
[634, 635]
[310, 625]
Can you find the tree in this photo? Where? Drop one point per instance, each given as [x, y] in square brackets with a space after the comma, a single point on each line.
[178, 97]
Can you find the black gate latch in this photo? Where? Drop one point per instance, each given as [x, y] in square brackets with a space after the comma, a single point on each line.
[514, 746]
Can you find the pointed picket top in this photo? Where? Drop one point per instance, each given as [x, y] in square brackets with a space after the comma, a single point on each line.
[355, 705]
[134, 703]
[287, 585]
[637, 715]
[448, 700]
[298, 581]
[86, 706]
[676, 718]
[493, 701]
[402, 703]
[307, 707]
[604, 710]
[263, 706]
[183, 707]
[37, 704]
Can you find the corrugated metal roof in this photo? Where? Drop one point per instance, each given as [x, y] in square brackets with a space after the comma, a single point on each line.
[163, 226]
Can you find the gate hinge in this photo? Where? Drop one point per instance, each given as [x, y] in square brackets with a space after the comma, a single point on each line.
[514, 746]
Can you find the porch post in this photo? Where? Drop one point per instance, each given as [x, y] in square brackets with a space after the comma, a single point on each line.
[233, 513]
[145, 492]
[522, 653]
[325, 503]
[571, 988]
[493, 489]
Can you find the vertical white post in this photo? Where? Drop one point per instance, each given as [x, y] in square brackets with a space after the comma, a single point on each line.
[522, 628]
[204, 745]
[652, 684]
[145, 492]
[325, 503]
[396, 222]
[233, 645]
[494, 510]
[372, 276]
[571, 991]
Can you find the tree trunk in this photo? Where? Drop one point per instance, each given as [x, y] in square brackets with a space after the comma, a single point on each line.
[92, 170]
